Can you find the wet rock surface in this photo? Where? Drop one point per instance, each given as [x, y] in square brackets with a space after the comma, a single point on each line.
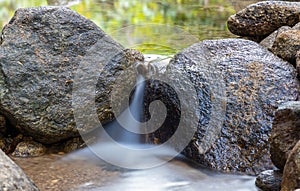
[12, 177]
[285, 132]
[236, 116]
[269, 180]
[286, 45]
[261, 19]
[41, 48]
[291, 173]
[29, 148]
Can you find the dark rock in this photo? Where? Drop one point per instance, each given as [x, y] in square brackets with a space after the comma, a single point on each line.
[2, 125]
[286, 45]
[41, 49]
[29, 148]
[285, 132]
[239, 85]
[12, 177]
[269, 180]
[291, 173]
[263, 18]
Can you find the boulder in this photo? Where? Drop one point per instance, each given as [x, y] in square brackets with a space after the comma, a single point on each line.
[239, 85]
[286, 45]
[12, 177]
[261, 19]
[291, 173]
[40, 52]
[298, 62]
[2, 125]
[269, 180]
[285, 132]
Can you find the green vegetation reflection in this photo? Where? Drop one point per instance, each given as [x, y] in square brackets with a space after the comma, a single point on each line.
[138, 23]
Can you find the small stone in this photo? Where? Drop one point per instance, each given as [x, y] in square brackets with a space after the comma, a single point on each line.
[269, 41]
[29, 149]
[269, 180]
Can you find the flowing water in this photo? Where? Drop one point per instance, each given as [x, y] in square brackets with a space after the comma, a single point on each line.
[148, 26]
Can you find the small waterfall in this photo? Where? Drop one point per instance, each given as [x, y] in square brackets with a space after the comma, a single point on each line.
[131, 117]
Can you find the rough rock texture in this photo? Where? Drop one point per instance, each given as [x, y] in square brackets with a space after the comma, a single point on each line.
[12, 177]
[269, 41]
[286, 45]
[269, 180]
[41, 48]
[73, 144]
[285, 132]
[29, 149]
[291, 173]
[255, 82]
[263, 18]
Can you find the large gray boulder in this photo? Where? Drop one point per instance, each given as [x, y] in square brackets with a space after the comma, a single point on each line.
[12, 177]
[239, 85]
[285, 132]
[261, 19]
[40, 50]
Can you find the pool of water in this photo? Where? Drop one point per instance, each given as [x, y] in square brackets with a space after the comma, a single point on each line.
[159, 26]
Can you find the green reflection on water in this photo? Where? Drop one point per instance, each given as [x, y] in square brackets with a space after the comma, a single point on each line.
[205, 19]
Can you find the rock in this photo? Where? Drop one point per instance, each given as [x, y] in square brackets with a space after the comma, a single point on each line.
[73, 144]
[298, 62]
[2, 125]
[285, 132]
[245, 83]
[263, 18]
[41, 50]
[29, 149]
[286, 45]
[12, 177]
[269, 180]
[269, 41]
[291, 173]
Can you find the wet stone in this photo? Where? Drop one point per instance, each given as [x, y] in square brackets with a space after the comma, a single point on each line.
[42, 50]
[269, 180]
[239, 85]
[29, 149]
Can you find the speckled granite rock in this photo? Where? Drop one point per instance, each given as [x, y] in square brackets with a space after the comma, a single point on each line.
[12, 178]
[285, 132]
[41, 48]
[291, 173]
[263, 18]
[29, 149]
[286, 45]
[255, 82]
[269, 41]
[269, 180]
[298, 62]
